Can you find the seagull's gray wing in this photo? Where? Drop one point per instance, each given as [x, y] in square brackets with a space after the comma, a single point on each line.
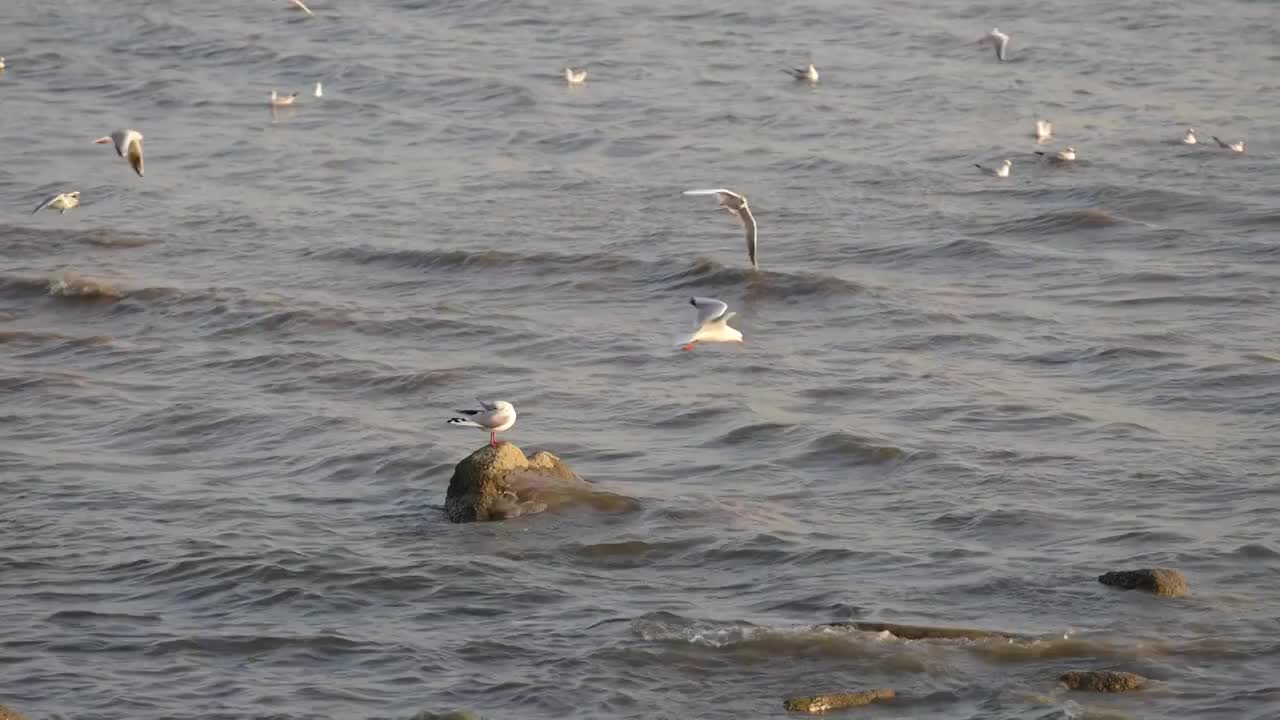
[487, 406]
[709, 309]
[46, 203]
[749, 222]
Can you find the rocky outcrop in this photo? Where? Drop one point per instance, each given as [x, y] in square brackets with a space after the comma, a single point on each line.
[1102, 681]
[1161, 581]
[498, 483]
[7, 713]
[924, 632]
[838, 701]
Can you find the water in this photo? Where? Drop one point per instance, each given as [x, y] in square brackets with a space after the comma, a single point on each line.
[960, 398]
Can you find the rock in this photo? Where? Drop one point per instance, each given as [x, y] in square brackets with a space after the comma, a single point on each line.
[924, 632]
[1161, 581]
[1102, 681]
[498, 483]
[837, 701]
[7, 713]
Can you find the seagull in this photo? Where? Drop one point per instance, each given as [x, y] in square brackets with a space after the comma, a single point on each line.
[810, 73]
[737, 205]
[495, 417]
[1067, 155]
[1044, 130]
[1190, 137]
[575, 77]
[997, 40]
[301, 6]
[1002, 171]
[1237, 146]
[1, 62]
[62, 202]
[278, 100]
[712, 324]
[319, 90]
[128, 145]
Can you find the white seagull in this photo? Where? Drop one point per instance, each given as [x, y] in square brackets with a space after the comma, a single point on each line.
[1044, 130]
[575, 77]
[1237, 146]
[712, 324]
[810, 73]
[278, 100]
[997, 40]
[1, 62]
[737, 205]
[1067, 155]
[1190, 137]
[495, 417]
[319, 90]
[1002, 171]
[62, 202]
[128, 145]
[301, 6]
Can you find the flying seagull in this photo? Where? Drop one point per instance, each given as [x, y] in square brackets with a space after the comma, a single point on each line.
[1044, 130]
[62, 202]
[301, 6]
[997, 40]
[128, 145]
[1237, 146]
[810, 73]
[1001, 171]
[495, 417]
[737, 205]
[712, 323]
[319, 90]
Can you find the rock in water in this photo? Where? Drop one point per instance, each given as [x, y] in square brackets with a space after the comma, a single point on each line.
[1102, 681]
[837, 701]
[6, 713]
[1161, 581]
[497, 483]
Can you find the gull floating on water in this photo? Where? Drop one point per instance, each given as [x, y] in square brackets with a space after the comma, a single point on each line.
[128, 145]
[810, 73]
[1067, 155]
[319, 90]
[62, 202]
[301, 6]
[997, 40]
[1190, 137]
[575, 77]
[1044, 130]
[278, 100]
[737, 205]
[1237, 146]
[712, 323]
[495, 417]
[1, 62]
[1002, 171]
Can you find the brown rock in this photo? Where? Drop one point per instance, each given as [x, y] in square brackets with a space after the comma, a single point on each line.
[1102, 681]
[7, 713]
[1161, 581]
[837, 701]
[497, 483]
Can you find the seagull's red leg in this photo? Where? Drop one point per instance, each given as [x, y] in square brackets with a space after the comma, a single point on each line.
[492, 441]
[689, 346]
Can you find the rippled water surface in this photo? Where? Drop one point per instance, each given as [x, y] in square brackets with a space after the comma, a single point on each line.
[961, 398]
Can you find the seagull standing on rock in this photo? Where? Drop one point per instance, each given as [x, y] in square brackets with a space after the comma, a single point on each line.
[495, 417]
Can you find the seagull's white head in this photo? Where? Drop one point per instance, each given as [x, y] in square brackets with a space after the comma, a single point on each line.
[73, 193]
[503, 406]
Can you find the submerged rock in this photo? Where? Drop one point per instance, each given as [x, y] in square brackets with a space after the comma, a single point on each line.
[838, 701]
[498, 483]
[1102, 680]
[924, 632]
[1161, 581]
[7, 713]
